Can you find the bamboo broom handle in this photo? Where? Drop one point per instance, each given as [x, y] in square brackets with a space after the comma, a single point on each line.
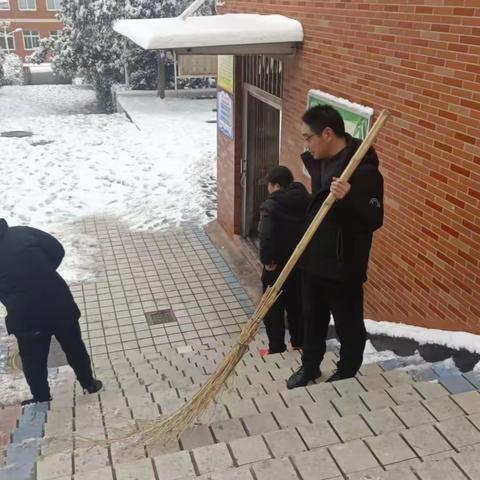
[176, 424]
[330, 200]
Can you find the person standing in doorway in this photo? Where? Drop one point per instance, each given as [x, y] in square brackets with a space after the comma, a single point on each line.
[334, 264]
[282, 220]
[39, 304]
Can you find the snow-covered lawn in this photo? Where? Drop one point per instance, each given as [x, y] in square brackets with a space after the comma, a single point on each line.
[79, 165]
[41, 100]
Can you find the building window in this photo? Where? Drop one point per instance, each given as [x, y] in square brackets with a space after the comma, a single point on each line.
[31, 40]
[27, 4]
[4, 4]
[53, 4]
[54, 34]
[3, 44]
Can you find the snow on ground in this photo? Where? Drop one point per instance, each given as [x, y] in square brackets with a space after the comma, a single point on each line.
[81, 165]
[414, 365]
[455, 340]
[449, 339]
[14, 388]
[5, 342]
[41, 100]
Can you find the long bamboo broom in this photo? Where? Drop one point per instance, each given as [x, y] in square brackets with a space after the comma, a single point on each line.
[174, 425]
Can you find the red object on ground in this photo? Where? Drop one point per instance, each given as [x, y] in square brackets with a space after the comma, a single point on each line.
[8, 422]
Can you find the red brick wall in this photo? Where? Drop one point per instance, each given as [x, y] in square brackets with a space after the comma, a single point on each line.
[225, 181]
[228, 168]
[422, 62]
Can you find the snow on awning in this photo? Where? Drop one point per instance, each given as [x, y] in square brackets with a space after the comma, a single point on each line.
[234, 33]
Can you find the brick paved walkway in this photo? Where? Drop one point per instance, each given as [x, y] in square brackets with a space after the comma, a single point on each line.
[144, 272]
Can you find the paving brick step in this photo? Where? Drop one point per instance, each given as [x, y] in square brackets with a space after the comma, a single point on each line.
[371, 390]
[427, 450]
[255, 369]
[197, 370]
[376, 405]
[348, 410]
[150, 402]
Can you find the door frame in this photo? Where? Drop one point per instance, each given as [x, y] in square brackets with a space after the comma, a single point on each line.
[273, 101]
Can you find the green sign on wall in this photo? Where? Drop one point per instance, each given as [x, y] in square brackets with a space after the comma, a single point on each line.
[357, 118]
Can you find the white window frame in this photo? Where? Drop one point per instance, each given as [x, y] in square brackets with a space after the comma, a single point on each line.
[6, 3]
[59, 2]
[29, 32]
[57, 33]
[34, 9]
[9, 38]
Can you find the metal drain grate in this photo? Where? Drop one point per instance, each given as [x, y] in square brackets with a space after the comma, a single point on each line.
[160, 317]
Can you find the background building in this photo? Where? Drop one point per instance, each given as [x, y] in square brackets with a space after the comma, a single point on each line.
[36, 18]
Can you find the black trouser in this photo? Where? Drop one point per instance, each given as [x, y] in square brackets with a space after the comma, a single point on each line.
[345, 302]
[290, 301]
[34, 348]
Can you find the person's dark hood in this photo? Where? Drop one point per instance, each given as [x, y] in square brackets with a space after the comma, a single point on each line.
[3, 227]
[293, 199]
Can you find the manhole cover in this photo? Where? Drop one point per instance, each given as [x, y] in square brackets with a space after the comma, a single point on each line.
[16, 134]
[160, 317]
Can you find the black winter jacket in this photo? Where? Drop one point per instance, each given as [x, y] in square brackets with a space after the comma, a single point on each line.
[282, 223]
[340, 248]
[35, 295]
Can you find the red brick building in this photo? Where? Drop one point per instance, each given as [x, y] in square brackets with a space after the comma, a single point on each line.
[36, 18]
[421, 61]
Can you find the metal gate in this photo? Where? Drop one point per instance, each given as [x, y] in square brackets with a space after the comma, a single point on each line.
[262, 120]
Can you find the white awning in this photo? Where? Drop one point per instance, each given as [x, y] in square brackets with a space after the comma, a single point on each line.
[233, 33]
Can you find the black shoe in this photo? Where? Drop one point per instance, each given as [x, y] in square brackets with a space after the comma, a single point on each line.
[337, 376]
[301, 378]
[94, 387]
[30, 401]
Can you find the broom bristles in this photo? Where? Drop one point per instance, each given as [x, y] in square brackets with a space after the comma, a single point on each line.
[173, 426]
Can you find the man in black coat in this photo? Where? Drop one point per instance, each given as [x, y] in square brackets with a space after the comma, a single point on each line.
[39, 304]
[282, 220]
[335, 263]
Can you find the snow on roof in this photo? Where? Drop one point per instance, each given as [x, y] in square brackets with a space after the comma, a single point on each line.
[212, 31]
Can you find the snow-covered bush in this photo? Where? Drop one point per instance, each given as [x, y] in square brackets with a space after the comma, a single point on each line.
[194, 83]
[12, 67]
[40, 54]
